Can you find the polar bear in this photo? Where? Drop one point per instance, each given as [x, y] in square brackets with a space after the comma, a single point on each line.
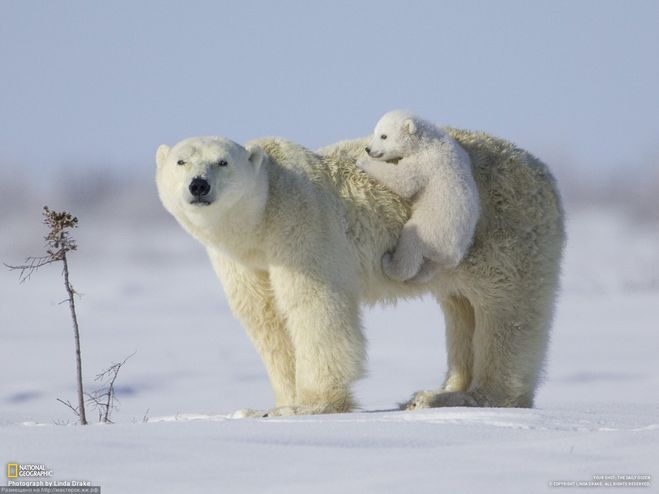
[297, 238]
[419, 161]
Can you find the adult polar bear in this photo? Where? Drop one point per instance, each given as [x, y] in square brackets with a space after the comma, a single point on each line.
[296, 238]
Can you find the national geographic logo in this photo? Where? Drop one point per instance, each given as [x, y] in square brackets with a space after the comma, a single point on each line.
[28, 470]
[37, 478]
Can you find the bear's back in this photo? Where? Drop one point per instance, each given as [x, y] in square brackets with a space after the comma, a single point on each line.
[521, 211]
[363, 199]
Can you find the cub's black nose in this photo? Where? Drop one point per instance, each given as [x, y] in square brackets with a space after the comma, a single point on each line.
[367, 149]
[199, 187]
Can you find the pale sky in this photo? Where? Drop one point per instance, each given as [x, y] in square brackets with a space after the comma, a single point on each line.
[104, 83]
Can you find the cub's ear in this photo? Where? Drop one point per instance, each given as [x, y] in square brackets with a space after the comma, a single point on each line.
[256, 155]
[161, 154]
[409, 126]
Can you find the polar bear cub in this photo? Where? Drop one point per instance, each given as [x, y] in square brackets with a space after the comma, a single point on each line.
[419, 161]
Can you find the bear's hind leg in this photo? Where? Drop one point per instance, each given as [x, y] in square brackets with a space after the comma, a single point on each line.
[459, 320]
[509, 349]
[509, 343]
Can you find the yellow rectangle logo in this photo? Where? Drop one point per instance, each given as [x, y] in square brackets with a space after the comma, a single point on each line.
[12, 470]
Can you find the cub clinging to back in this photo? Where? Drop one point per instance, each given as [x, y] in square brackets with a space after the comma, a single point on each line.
[418, 160]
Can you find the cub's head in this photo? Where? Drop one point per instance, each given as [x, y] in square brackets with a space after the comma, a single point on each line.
[203, 175]
[394, 137]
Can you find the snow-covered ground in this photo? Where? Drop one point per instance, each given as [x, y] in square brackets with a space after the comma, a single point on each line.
[147, 287]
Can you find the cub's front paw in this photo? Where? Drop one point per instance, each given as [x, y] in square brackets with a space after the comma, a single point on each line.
[367, 167]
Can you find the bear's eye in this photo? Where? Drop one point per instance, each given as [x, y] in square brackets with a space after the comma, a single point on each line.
[383, 136]
[222, 163]
[180, 162]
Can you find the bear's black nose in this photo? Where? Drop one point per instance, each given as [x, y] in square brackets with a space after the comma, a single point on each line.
[368, 149]
[199, 187]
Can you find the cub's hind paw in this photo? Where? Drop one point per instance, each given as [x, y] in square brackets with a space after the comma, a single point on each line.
[397, 270]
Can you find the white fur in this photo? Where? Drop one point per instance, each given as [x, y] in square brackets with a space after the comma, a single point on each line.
[421, 162]
[297, 239]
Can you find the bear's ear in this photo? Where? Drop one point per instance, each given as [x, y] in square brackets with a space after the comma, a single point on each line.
[409, 126]
[256, 155]
[161, 154]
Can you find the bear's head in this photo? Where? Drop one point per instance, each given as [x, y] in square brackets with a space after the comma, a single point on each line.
[394, 137]
[201, 176]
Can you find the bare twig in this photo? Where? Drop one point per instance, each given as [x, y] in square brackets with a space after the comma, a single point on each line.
[104, 399]
[30, 266]
[95, 401]
[67, 403]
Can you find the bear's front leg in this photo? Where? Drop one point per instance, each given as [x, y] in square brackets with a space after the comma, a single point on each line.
[322, 318]
[250, 297]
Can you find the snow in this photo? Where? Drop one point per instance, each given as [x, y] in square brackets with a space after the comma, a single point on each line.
[147, 287]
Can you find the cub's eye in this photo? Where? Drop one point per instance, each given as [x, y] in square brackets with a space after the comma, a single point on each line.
[222, 163]
[383, 136]
[180, 162]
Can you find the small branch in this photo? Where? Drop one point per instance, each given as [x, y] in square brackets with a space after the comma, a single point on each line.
[31, 265]
[95, 399]
[67, 403]
[104, 399]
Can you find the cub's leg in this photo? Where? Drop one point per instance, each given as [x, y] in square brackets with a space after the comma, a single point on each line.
[426, 273]
[404, 263]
